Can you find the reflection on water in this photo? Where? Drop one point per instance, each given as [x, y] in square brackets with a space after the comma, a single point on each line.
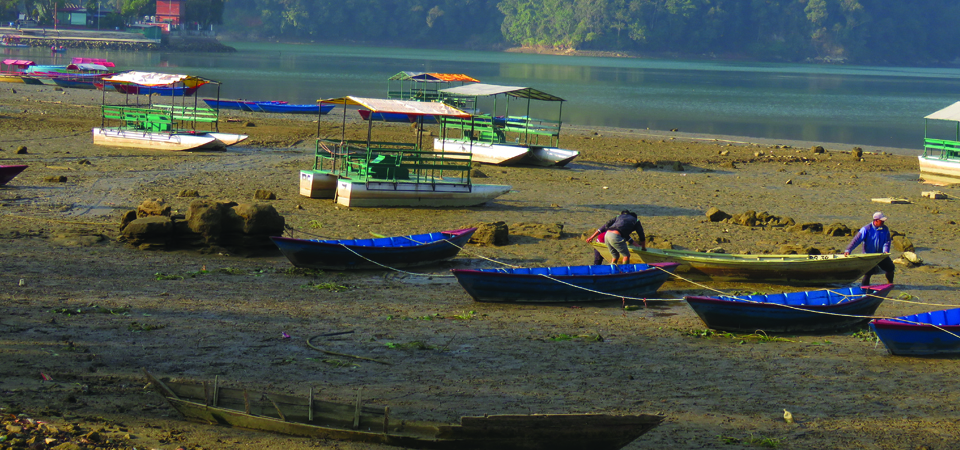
[880, 106]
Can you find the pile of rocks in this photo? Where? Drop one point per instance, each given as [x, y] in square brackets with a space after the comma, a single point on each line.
[207, 225]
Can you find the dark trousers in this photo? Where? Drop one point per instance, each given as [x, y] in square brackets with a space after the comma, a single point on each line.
[886, 267]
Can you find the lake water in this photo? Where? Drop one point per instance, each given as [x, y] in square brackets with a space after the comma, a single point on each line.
[856, 105]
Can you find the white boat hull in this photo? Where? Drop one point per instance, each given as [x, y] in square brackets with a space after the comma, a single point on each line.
[316, 184]
[227, 139]
[361, 194]
[505, 154]
[939, 172]
[483, 152]
[154, 140]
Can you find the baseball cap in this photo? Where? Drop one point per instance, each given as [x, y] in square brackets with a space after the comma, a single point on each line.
[879, 216]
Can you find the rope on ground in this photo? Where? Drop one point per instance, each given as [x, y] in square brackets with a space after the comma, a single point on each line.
[310, 344]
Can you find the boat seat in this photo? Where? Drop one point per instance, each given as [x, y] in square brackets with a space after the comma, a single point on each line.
[938, 317]
[953, 316]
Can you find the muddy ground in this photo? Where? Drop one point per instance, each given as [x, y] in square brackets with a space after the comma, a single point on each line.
[88, 311]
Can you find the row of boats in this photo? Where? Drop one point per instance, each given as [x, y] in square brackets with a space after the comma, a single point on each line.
[814, 311]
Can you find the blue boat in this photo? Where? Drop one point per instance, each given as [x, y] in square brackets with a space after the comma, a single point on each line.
[929, 333]
[282, 108]
[374, 253]
[239, 105]
[393, 117]
[819, 311]
[564, 283]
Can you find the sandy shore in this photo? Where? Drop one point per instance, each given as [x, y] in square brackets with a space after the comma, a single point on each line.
[450, 355]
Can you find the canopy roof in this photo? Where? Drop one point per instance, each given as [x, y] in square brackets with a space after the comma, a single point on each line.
[156, 79]
[481, 89]
[101, 61]
[408, 107]
[87, 67]
[951, 112]
[431, 77]
[18, 62]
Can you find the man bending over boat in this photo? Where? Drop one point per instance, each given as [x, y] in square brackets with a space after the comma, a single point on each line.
[875, 237]
[616, 234]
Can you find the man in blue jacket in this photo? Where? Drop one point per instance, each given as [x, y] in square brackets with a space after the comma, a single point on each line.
[875, 237]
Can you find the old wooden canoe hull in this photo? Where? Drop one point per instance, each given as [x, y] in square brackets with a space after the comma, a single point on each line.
[155, 140]
[806, 270]
[8, 172]
[925, 334]
[564, 284]
[374, 253]
[807, 311]
[306, 416]
[939, 172]
[412, 193]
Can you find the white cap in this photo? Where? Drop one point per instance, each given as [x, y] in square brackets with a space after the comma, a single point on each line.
[879, 216]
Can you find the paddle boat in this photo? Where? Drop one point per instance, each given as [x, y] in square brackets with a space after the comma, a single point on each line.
[924, 334]
[504, 140]
[804, 270]
[8, 172]
[819, 311]
[374, 253]
[564, 283]
[940, 161]
[14, 70]
[161, 126]
[371, 173]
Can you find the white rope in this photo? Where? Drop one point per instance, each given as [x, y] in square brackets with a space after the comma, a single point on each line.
[394, 268]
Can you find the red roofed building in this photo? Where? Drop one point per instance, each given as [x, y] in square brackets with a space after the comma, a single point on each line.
[169, 11]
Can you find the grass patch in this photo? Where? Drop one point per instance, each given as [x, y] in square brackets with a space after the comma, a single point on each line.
[329, 286]
[766, 442]
[465, 315]
[231, 271]
[866, 336]
[137, 327]
[759, 335]
[413, 345]
[300, 271]
[91, 309]
[576, 337]
[160, 276]
[315, 224]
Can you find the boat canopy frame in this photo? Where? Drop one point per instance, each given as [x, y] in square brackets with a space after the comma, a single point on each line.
[943, 149]
[157, 117]
[426, 86]
[527, 130]
[378, 162]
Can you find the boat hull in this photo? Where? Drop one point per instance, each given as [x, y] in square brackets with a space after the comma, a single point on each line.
[805, 270]
[483, 152]
[377, 194]
[11, 79]
[925, 334]
[154, 140]
[564, 284]
[354, 255]
[322, 108]
[7, 173]
[317, 184]
[226, 139]
[164, 91]
[549, 156]
[309, 417]
[939, 172]
[744, 317]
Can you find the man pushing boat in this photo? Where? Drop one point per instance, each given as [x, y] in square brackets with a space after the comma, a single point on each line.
[875, 237]
[617, 233]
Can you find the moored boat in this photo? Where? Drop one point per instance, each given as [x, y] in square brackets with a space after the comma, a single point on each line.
[154, 140]
[284, 108]
[374, 253]
[9, 171]
[819, 311]
[307, 416]
[564, 283]
[806, 270]
[923, 334]
[372, 173]
[940, 161]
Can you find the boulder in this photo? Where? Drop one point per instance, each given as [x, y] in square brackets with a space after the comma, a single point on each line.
[658, 242]
[537, 230]
[492, 233]
[128, 217]
[188, 193]
[259, 218]
[206, 218]
[811, 227]
[154, 207]
[818, 149]
[716, 215]
[151, 229]
[837, 229]
[902, 244]
[263, 194]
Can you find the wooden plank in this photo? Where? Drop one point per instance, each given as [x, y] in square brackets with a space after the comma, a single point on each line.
[891, 200]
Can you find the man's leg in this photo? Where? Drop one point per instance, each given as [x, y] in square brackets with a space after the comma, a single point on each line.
[888, 267]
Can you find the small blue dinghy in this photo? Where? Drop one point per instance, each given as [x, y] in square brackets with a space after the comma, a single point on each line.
[928, 333]
[375, 253]
[818, 311]
[564, 283]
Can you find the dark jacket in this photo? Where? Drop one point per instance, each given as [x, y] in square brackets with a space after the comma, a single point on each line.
[625, 224]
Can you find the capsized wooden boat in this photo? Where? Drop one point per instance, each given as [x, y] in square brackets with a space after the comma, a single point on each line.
[306, 416]
[8, 172]
[155, 140]
[806, 270]
[820, 311]
[374, 253]
[928, 333]
[564, 283]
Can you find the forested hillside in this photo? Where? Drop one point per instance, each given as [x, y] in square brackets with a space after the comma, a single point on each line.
[854, 31]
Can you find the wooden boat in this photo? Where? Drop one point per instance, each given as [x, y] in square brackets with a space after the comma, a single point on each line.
[928, 333]
[374, 253]
[565, 283]
[307, 416]
[8, 172]
[500, 139]
[372, 173]
[806, 270]
[223, 104]
[283, 108]
[821, 311]
[10, 41]
[940, 161]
